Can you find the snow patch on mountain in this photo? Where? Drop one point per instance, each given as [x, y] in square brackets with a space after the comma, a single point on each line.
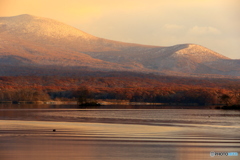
[44, 27]
[199, 54]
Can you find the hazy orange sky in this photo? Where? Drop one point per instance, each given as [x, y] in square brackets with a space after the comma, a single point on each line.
[214, 24]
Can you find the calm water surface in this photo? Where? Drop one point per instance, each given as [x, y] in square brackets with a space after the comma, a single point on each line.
[119, 132]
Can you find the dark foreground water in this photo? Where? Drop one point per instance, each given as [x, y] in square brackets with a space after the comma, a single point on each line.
[120, 133]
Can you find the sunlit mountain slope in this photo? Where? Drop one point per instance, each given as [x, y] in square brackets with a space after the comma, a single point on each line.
[30, 41]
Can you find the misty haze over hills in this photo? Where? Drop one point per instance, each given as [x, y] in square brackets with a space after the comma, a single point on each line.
[30, 44]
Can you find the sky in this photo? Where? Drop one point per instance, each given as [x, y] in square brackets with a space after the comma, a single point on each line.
[214, 24]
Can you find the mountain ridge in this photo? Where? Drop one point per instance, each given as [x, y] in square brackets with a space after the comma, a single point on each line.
[34, 41]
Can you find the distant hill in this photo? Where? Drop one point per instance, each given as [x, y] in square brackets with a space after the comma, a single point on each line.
[35, 45]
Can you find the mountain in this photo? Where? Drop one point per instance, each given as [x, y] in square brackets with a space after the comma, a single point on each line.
[30, 44]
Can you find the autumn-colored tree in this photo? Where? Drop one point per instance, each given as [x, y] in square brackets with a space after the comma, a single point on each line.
[226, 99]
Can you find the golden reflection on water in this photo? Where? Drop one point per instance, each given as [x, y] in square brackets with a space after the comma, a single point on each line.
[155, 134]
[90, 129]
[27, 140]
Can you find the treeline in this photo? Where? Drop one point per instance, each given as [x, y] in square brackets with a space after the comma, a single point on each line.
[200, 96]
[113, 81]
[27, 94]
[135, 88]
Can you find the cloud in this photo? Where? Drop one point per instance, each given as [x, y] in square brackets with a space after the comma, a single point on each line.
[198, 31]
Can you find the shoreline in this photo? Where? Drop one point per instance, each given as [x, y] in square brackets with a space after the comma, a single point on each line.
[107, 103]
[127, 104]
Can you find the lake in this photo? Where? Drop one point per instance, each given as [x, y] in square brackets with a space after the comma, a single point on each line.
[117, 132]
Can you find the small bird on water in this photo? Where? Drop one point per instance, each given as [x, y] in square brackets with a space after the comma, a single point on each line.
[54, 130]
